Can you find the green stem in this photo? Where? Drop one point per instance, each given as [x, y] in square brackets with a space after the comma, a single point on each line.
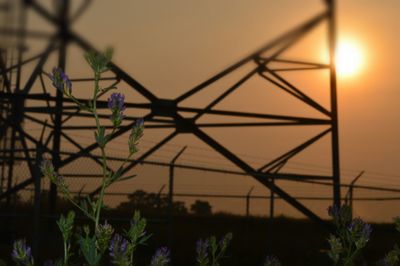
[65, 254]
[68, 196]
[103, 186]
[103, 154]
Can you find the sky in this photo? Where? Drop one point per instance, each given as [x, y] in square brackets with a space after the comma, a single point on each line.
[171, 46]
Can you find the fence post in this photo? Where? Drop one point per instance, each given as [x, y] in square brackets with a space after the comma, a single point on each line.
[159, 197]
[248, 196]
[272, 200]
[171, 199]
[349, 195]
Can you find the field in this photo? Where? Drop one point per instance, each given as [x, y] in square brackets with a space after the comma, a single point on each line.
[294, 241]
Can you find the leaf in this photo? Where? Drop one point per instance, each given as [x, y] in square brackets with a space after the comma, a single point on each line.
[89, 250]
[100, 137]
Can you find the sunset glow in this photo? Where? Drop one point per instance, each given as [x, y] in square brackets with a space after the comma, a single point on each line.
[349, 58]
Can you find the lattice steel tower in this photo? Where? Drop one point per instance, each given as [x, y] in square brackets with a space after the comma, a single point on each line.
[32, 101]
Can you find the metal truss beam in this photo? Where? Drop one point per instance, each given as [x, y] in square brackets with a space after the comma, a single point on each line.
[168, 113]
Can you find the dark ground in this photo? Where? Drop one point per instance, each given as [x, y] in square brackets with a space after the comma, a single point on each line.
[295, 242]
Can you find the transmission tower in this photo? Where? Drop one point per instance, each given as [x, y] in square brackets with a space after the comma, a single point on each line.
[32, 101]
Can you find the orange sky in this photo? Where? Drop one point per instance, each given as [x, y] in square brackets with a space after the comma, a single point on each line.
[171, 46]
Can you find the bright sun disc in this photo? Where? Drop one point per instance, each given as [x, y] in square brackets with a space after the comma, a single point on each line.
[348, 59]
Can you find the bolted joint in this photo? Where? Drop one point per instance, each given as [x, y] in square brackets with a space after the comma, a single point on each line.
[164, 107]
[261, 62]
[185, 125]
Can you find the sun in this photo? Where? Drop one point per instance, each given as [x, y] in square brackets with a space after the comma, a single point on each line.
[349, 58]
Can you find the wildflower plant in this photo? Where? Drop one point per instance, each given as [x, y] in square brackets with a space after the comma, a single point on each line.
[210, 252]
[352, 235]
[94, 243]
[66, 224]
[22, 254]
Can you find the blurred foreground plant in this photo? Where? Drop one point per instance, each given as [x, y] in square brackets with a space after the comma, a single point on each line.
[352, 235]
[210, 252]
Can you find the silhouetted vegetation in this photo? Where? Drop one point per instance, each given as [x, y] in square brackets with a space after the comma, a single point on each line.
[150, 204]
[201, 208]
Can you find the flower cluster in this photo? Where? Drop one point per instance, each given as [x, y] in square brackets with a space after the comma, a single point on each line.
[119, 252]
[21, 253]
[351, 236]
[137, 234]
[360, 231]
[60, 80]
[116, 103]
[209, 252]
[103, 235]
[202, 252]
[161, 257]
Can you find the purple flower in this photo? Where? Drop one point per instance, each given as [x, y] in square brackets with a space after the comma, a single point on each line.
[119, 250]
[116, 103]
[272, 261]
[202, 251]
[366, 231]
[60, 80]
[22, 253]
[161, 257]
[201, 245]
[103, 235]
[360, 229]
[139, 122]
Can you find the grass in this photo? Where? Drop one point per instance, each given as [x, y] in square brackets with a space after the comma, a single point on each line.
[293, 241]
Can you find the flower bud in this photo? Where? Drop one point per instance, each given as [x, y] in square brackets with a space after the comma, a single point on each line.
[116, 103]
[60, 80]
[136, 134]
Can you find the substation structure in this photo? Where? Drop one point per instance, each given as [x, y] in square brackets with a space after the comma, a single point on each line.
[52, 111]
